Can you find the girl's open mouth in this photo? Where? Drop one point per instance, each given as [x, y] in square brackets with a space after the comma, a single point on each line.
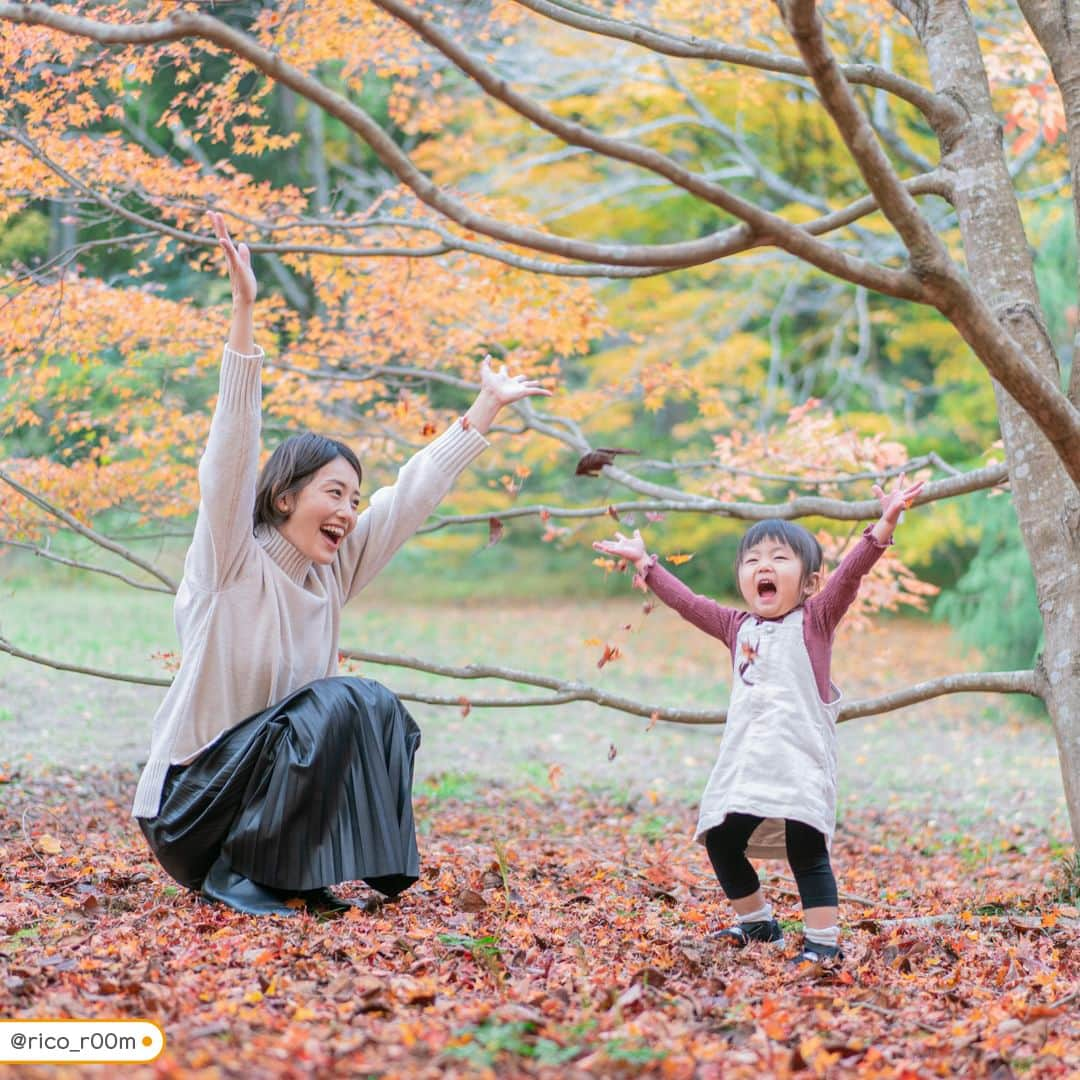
[766, 589]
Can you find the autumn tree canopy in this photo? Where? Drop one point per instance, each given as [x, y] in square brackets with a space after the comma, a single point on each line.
[779, 251]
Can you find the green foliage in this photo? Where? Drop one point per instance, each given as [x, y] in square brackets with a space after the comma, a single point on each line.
[994, 604]
[1065, 887]
[24, 238]
[483, 1044]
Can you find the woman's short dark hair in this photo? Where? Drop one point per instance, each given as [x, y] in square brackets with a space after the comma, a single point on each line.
[290, 467]
[795, 536]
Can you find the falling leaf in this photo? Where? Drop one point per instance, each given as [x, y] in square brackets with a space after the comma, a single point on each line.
[495, 531]
[592, 462]
[653, 515]
[611, 752]
[613, 513]
[653, 718]
[428, 429]
[611, 654]
[466, 706]
[554, 773]
[678, 560]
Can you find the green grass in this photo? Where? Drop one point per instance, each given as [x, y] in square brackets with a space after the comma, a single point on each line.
[945, 752]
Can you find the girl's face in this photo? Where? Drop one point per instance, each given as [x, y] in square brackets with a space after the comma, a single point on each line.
[323, 512]
[771, 579]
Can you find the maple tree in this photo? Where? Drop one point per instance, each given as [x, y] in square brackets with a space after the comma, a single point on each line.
[396, 272]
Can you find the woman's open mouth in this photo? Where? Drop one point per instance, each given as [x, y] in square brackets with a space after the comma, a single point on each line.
[333, 533]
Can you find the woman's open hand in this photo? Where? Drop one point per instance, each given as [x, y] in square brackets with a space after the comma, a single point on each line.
[238, 259]
[499, 388]
[505, 388]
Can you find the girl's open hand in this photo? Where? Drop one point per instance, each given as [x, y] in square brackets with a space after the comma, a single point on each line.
[632, 549]
[504, 388]
[895, 502]
[241, 276]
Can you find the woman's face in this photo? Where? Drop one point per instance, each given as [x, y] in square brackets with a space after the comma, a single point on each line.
[323, 512]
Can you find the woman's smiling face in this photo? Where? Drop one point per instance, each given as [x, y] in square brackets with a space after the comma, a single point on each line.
[772, 579]
[323, 512]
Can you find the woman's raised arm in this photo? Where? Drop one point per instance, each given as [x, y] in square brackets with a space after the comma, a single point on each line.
[229, 466]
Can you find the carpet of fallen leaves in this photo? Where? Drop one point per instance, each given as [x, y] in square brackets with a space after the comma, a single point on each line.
[553, 933]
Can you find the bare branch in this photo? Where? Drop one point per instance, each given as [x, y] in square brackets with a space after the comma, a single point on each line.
[686, 502]
[764, 226]
[895, 202]
[44, 553]
[59, 665]
[938, 109]
[988, 682]
[1001, 682]
[84, 530]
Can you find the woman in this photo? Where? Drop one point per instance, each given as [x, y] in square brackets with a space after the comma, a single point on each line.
[268, 778]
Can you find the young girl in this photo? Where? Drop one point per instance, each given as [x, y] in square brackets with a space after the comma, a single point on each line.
[267, 778]
[773, 789]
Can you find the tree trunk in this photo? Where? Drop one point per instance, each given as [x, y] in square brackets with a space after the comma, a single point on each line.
[1056, 24]
[999, 261]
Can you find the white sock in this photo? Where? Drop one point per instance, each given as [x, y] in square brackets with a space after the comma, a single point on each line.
[830, 935]
[763, 914]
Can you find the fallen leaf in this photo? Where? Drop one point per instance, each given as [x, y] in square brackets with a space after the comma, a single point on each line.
[468, 900]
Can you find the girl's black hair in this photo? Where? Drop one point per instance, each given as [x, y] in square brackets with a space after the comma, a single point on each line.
[795, 536]
[290, 467]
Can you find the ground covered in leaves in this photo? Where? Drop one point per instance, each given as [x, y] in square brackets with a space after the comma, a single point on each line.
[553, 933]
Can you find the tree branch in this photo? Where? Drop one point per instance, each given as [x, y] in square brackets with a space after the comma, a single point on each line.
[44, 553]
[947, 288]
[764, 226]
[939, 110]
[802, 506]
[1001, 682]
[85, 530]
[59, 665]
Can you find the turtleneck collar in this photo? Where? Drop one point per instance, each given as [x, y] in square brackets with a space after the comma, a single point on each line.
[293, 562]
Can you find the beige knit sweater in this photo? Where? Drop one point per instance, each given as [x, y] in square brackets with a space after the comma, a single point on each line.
[257, 620]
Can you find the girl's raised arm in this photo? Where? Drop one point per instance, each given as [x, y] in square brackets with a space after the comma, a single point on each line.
[702, 611]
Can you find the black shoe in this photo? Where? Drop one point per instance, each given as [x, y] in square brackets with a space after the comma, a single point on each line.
[227, 887]
[826, 955]
[325, 902]
[743, 933]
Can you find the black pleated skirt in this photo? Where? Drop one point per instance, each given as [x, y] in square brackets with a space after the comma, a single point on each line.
[311, 792]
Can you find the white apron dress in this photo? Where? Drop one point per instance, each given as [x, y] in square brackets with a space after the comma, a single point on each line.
[778, 756]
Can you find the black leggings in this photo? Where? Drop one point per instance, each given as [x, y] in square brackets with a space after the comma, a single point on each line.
[806, 852]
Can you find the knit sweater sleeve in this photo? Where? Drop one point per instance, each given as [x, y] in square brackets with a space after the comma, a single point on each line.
[706, 614]
[397, 511]
[828, 607]
[227, 474]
